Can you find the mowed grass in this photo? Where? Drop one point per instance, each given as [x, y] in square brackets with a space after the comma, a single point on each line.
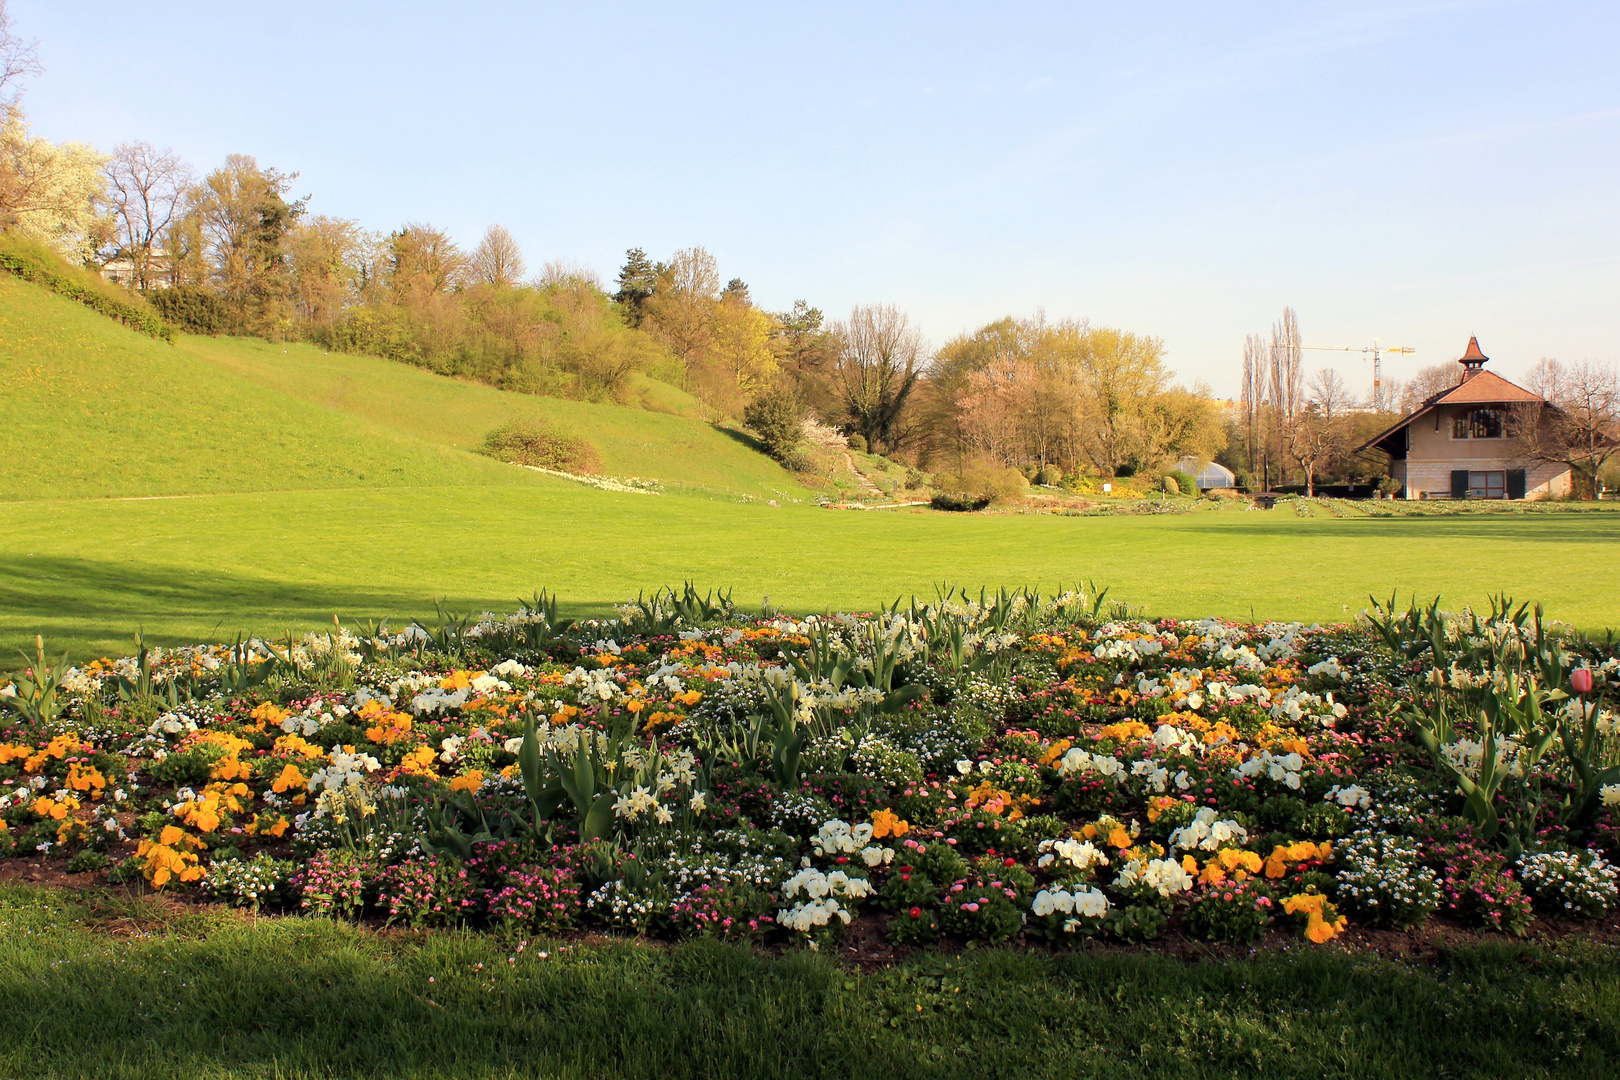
[221, 485]
[117, 987]
[88, 572]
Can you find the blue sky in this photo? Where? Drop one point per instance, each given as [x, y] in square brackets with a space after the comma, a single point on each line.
[1411, 172]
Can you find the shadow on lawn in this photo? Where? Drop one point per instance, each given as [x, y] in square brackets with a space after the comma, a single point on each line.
[106, 602]
[1538, 529]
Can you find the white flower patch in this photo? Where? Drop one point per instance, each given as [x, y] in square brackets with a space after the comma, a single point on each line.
[1610, 794]
[1239, 658]
[1467, 755]
[1075, 854]
[1085, 903]
[1208, 832]
[1164, 876]
[436, 700]
[343, 770]
[1077, 761]
[1283, 768]
[836, 837]
[1327, 669]
[820, 894]
[1352, 797]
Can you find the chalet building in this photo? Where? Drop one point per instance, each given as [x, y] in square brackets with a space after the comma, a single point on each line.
[121, 271]
[1457, 444]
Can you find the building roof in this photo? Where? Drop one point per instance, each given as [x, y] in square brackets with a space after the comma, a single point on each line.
[1478, 387]
[1484, 388]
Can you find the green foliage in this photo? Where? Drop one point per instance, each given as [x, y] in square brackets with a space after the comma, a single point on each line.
[776, 415]
[1235, 912]
[857, 443]
[38, 264]
[194, 309]
[1184, 483]
[534, 443]
[958, 502]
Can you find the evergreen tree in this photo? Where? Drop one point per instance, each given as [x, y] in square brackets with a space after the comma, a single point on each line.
[638, 280]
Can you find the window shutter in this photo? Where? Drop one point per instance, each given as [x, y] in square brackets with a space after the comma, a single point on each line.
[1459, 483]
[1515, 484]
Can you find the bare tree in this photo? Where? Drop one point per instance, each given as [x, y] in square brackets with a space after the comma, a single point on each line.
[146, 188]
[1429, 381]
[880, 358]
[1285, 378]
[1330, 394]
[566, 272]
[497, 260]
[1252, 400]
[18, 60]
[1581, 429]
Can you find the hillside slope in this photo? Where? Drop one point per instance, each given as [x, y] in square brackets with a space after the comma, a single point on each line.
[448, 412]
[89, 407]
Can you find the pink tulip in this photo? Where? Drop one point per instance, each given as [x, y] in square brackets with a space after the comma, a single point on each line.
[1581, 680]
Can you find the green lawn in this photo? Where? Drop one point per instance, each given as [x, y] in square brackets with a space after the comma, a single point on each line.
[104, 986]
[219, 485]
[88, 572]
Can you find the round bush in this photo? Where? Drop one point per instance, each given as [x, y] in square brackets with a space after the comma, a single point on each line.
[533, 443]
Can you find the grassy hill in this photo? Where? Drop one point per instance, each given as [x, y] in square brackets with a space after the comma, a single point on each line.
[89, 407]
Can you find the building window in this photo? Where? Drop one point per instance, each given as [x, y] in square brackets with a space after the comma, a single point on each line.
[1485, 424]
[1487, 485]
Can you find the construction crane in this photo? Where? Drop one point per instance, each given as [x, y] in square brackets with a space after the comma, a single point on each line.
[1377, 359]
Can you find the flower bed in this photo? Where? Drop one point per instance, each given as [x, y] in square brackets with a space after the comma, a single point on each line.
[962, 771]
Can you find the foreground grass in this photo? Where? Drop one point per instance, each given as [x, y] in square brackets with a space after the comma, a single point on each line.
[217, 996]
[86, 573]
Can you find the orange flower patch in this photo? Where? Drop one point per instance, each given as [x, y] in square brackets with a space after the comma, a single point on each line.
[887, 823]
[86, 778]
[469, 781]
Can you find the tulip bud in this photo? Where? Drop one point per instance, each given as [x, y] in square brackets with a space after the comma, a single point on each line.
[1581, 680]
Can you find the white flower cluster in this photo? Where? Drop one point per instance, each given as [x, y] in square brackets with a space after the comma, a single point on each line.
[1573, 883]
[1610, 794]
[1351, 797]
[1164, 876]
[1327, 669]
[1076, 854]
[1380, 874]
[1130, 650]
[246, 882]
[836, 837]
[821, 892]
[1208, 831]
[1468, 755]
[1082, 902]
[343, 770]
[1283, 768]
[1076, 761]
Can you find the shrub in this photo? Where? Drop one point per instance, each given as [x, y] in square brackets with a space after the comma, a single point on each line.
[1577, 884]
[1383, 878]
[193, 309]
[776, 415]
[982, 910]
[38, 264]
[248, 882]
[333, 883]
[1050, 476]
[857, 443]
[1235, 912]
[1185, 481]
[958, 503]
[529, 442]
[425, 892]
